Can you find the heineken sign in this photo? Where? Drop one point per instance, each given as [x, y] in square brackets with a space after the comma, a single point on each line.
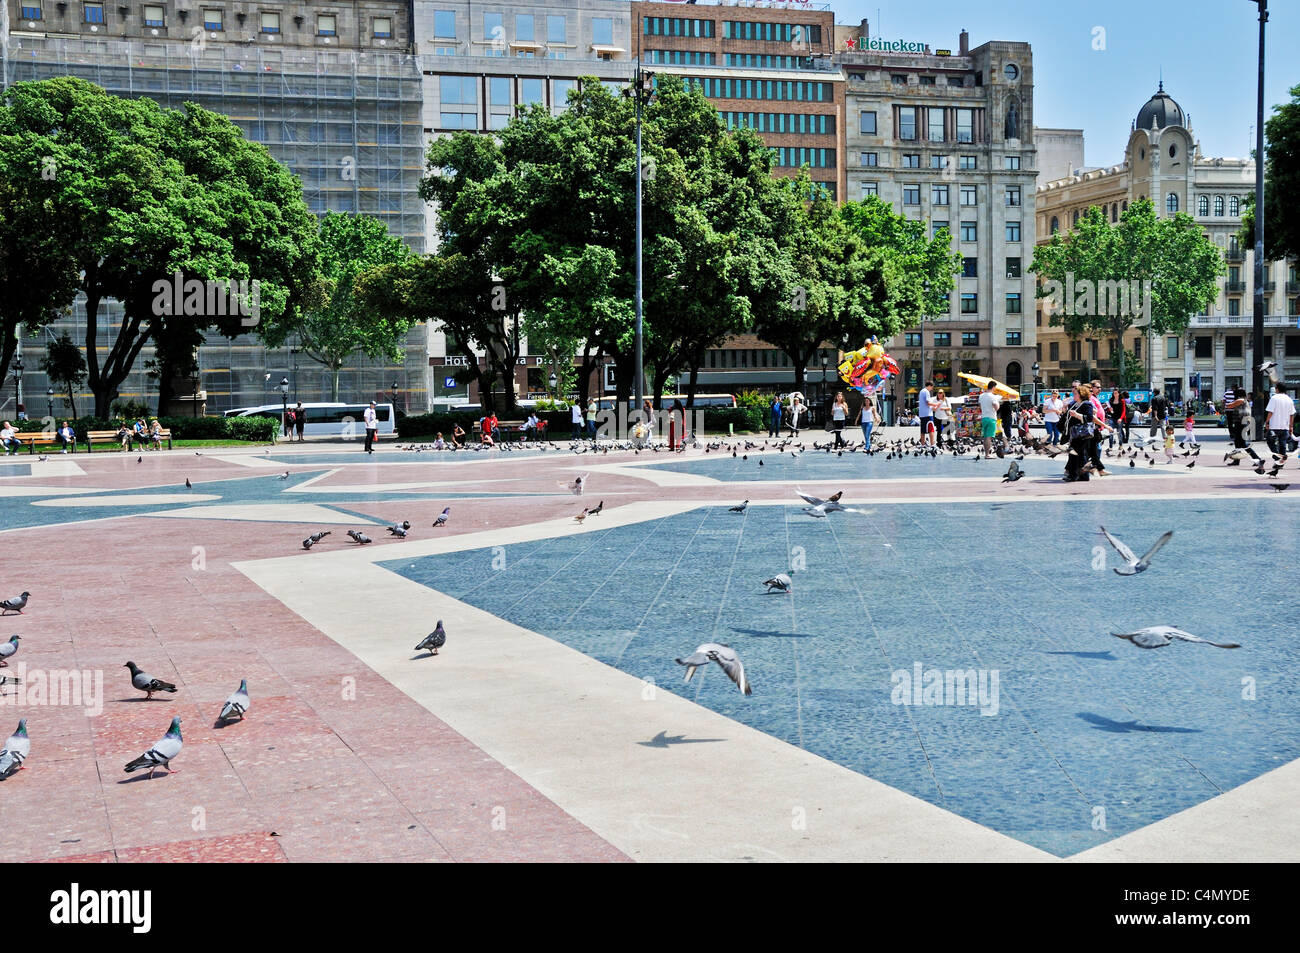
[872, 44]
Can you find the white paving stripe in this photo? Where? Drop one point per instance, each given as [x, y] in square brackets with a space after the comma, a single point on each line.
[267, 513]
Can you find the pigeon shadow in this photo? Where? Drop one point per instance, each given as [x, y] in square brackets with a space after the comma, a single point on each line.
[144, 776]
[1099, 656]
[1102, 723]
[665, 740]
[770, 634]
[138, 698]
[225, 723]
[424, 655]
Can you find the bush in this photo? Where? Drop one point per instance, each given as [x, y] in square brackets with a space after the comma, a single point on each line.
[752, 398]
[718, 419]
[259, 429]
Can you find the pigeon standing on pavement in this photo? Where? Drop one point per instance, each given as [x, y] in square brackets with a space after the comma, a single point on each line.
[16, 604]
[726, 658]
[434, 640]
[442, 518]
[1013, 473]
[780, 582]
[147, 683]
[596, 512]
[188, 484]
[15, 752]
[361, 538]
[398, 531]
[7, 649]
[1158, 636]
[740, 508]
[237, 704]
[161, 754]
[1133, 564]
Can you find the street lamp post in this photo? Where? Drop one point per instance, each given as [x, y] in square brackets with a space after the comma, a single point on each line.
[49, 400]
[824, 362]
[552, 380]
[18, 387]
[642, 84]
[1257, 342]
[284, 405]
[1035, 370]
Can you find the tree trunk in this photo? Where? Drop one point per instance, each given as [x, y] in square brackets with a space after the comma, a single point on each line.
[692, 385]
[334, 381]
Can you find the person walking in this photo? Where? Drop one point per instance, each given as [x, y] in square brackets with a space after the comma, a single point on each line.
[1053, 407]
[579, 425]
[1189, 429]
[1159, 409]
[1281, 418]
[925, 412]
[300, 421]
[593, 411]
[1006, 417]
[796, 409]
[1079, 420]
[1169, 443]
[868, 418]
[372, 427]
[989, 403]
[1092, 392]
[1236, 410]
[839, 415]
[774, 417]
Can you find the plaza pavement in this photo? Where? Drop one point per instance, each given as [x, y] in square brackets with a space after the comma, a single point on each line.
[509, 745]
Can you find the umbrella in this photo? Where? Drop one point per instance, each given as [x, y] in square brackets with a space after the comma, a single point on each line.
[998, 387]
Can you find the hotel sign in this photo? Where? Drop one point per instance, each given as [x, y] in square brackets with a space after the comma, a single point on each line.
[873, 44]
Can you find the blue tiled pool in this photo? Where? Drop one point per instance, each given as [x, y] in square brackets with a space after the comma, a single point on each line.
[1092, 738]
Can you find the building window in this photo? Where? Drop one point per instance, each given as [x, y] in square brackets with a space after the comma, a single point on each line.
[1013, 302]
[1234, 206]
[927, 81]
[911, 339]
[1074, 220]
[1013, 339]
[1292, 346]
[1232, 346]
[969, 232]
[869, 159]
[1013, 267]
[1234, 307]
[524, 27]
[1012, 163]
[94, 12]
[381, 28]
[1137, 348]
[937, 227]
[970, 304]
[153, 15]
[938, 162]
[530, 91]
[907, 122]
[1054, 351]
[1171, 348]
[965, 125]
[898, 79]
[938, 195]
[1056, 224]
[1171, 203]
[970, 267]
[1076, 350]
[968, 195]
[270, 23]
[970, 338]
[555, 29]
[326, 24]
[911, 160]
[870, 188]
[1013, 231]
[1013, 195]
[602, 31]
[31, 12]
[911, 195]
[459, 99]
[934, 122]
[1202, 205]
[967, 163]
[1218, 206]
[1204, 347]
[867, 123]
[942, 339]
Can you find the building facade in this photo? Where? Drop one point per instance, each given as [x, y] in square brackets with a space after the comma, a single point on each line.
[332, 90]
[1163, 161]
[944, 137]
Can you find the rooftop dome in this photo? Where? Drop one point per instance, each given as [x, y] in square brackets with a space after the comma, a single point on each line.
[1162, 110]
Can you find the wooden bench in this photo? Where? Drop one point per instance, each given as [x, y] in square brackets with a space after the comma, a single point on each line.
[32, 440]
[110, 436]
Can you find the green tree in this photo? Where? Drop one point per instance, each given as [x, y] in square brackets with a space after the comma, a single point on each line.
[1281, 185]
[1105, 277]
[64, 364]
[333, 332]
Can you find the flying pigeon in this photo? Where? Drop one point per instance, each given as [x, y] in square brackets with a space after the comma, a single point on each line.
[1135, 565]
[15, 751]
[398, 531]
[578, 485]
[724, 656]
[361, 538]
[741, 508]
[16, 604]
[7, 649]
[434, 640]
[596, 512]
[780, 582]
[236, 704]
[1013, 473]
[442, 517]
[147, 683]
[1268, 367]
[1158, 636]
[161, 754]
[831, 505]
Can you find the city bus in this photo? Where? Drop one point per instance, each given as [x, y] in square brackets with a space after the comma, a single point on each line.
[328, 419]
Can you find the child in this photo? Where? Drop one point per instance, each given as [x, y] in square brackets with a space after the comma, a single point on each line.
[1189, 430]
[1169, 443]
[439, 444]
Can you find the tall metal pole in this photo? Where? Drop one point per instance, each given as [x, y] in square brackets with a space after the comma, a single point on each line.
[640, 374]
[1257, 344]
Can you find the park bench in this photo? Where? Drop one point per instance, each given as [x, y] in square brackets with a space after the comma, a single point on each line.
[510, 429]
[110, 436]
[40, 439]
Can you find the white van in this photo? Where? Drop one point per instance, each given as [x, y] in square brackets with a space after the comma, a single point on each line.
[327, 419]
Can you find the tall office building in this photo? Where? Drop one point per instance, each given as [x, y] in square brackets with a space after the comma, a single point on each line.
[333, 91]
[944, 136]
[1164, 162]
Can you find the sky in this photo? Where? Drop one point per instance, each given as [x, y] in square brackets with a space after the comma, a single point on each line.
[1208, 50]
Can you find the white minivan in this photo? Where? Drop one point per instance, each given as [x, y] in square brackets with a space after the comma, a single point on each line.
[326, 419]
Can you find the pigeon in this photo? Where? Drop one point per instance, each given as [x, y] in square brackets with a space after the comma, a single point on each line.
[1279, 486]
[237, 704]
[15, 751]
[1192, 464]
[188, 484]
[161, 754]
[16, 604]
[406, 524]
[1013, 473]
[831, 505]
[434, 640]
[1158, 636]
[780, 582]
[442, 517]
[739, 508]
[42, 458]
[578, 485]
[139, 459]
[308, 543]
[1269, 368]
[596, 512]
[7, 649]
[317, 537]
[724, 656]
[398, 531]
[283, 476]
[147, 683]
[1135, 565]
[581, 516]
[10, 680]
[361, 538]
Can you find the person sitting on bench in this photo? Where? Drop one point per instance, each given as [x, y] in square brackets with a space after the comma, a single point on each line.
[124, 434]
[155, 433]
[9, 438]
[67, 437]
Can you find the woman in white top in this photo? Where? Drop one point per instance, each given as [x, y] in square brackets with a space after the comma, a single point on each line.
[839, 414]
[867, 418]
[796, 409]
[942, 415]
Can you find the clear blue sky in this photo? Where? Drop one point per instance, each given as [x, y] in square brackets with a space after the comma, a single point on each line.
[1207, 48]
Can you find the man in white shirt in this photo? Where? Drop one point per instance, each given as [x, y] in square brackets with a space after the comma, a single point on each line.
[925, 412]
[1281, 415]
[1053, 407]
[9, 438]
[372, 427]
[575, 417]
[989, 403]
